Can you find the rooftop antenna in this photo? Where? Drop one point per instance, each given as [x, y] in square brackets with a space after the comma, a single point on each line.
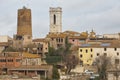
[24, 7]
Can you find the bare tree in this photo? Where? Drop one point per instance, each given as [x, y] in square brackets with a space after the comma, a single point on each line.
[103, 63]
[71, 61]
[116, 69]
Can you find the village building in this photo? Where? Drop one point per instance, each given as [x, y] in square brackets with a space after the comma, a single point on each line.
[44, 45]
[56, 40]
[89, 52]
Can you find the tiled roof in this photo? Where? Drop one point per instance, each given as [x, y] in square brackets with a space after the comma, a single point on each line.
[40, 40]
[11, 54]
[41, 67]
[71, 32]
[102, 45]
[3, 43]
[77, 37]
[57, 35]
[30, 55]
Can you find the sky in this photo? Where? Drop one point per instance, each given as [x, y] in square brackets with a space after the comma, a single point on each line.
[103, 16]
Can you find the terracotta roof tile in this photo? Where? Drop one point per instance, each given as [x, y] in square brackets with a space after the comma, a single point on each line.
[40, 40]
[30, 55]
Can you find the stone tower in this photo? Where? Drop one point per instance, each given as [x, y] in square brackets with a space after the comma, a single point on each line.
[55, 20]
[24, 24]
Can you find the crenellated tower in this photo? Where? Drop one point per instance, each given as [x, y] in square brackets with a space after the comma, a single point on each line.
[24, 23]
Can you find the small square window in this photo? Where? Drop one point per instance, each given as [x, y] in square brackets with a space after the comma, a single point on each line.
[117, 53]
[80, 50]
[29, 37]
[86, 51]
[115, 49]
[91, 50]
[81, 56]
[52, 39]
[105, 54]
[105, 49]
[98, 54]
[117, 61]
[73, 40]
[61, 40]
[91, 55]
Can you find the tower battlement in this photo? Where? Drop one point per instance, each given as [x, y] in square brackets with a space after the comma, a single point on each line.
[24, 22]
[59, 9]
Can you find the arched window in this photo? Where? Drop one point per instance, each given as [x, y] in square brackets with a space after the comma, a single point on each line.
[54, 19]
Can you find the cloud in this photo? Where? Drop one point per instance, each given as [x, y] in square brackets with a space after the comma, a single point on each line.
[78, 15]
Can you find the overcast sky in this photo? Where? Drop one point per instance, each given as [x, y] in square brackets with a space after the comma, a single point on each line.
[103, 16]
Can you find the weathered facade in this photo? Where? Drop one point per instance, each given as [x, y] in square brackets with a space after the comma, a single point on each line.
[24, 29]
[43, 42]
[56, 40]
[89, 52]
[24, 24]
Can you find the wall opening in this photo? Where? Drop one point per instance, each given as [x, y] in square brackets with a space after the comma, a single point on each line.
[54, 19]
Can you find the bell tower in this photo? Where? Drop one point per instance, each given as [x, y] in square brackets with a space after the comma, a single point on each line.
[55, 20]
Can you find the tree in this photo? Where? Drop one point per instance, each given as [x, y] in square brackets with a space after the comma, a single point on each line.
[116, 69]
[55, 73]
[53, 59]
[9, 49]
[51, 51]
[70, 62]
[63, 55]
[69, 57]
[53, 56]
[102, 63]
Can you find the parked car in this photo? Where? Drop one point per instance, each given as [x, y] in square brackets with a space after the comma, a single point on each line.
[96, 75]
[88, 72]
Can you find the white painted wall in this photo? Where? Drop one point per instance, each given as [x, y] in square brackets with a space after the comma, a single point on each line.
[111, 36]
[110, 53]
[4, 38]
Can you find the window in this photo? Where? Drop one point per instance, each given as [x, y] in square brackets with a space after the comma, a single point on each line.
[117, 53]
[17, 60]
[29, 37]
[61, 40]
[81, 56]
[115, 49]
[86, 51]
[41, 49]
[117, 61]
[80, 50]
[10, 60]
[2, 60]
[54, 19]
[105, 54]
[98, 54]
[91, 55]
[57, 40]
[52, 39]
[91, 50]
[73, 40]
[105, 49]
